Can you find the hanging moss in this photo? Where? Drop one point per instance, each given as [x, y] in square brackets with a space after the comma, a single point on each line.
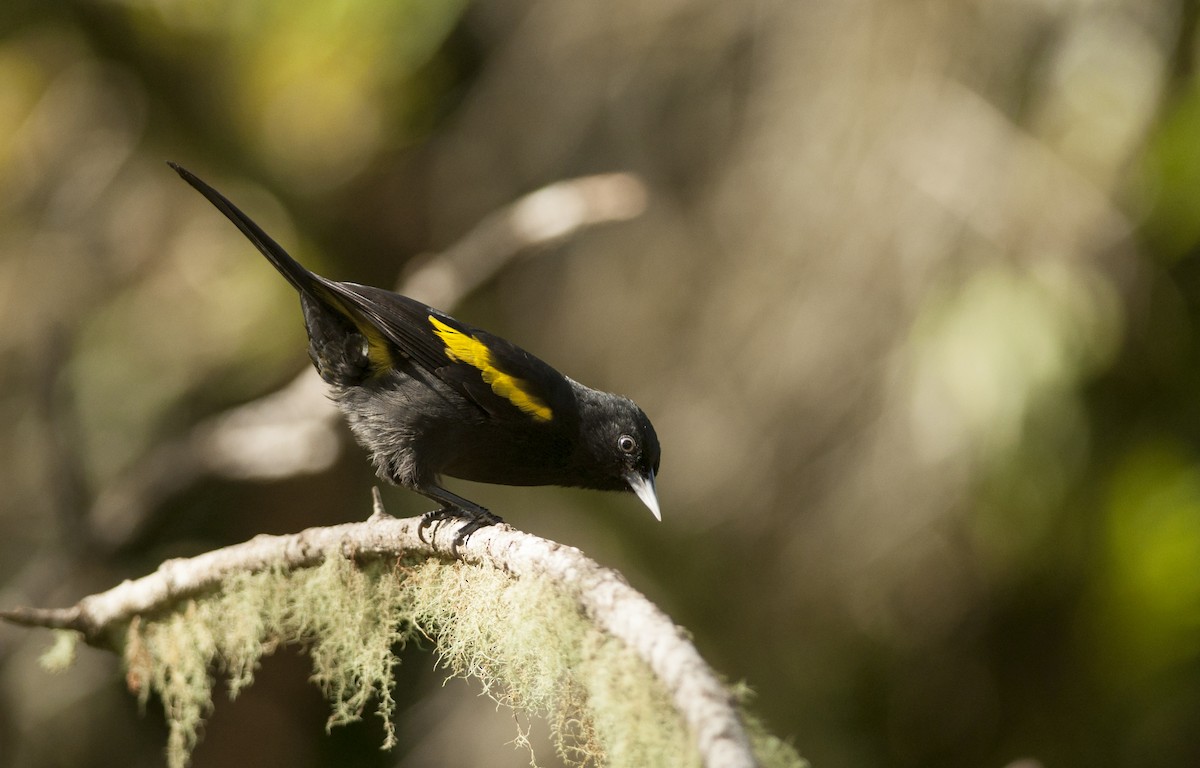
[527, 643]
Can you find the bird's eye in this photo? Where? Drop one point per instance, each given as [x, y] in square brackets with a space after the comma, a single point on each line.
[627, 444]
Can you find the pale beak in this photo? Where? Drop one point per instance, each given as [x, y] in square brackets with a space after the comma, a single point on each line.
[644, 488]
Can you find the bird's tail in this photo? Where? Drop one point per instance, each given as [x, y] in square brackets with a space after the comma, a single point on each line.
[301, 279]
[330, 309]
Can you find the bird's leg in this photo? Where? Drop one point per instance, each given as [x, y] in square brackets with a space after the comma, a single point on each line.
[455, 507]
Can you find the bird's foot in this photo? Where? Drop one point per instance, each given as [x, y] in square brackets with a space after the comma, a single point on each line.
[474, 524]
[438, 516]
[474, 520]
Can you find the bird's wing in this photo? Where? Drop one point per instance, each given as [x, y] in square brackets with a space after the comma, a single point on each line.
[500, 377]
[395, 324]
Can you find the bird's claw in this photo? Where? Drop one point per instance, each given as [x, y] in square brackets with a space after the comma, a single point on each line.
[436, 516]
[472, 525]
[473, 522]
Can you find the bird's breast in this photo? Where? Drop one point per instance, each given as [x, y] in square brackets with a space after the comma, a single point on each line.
[507, 455]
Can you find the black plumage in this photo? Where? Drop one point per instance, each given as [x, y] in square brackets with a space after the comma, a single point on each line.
[428, 395]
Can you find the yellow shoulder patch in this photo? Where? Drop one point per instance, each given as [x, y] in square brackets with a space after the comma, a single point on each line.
[463, 348]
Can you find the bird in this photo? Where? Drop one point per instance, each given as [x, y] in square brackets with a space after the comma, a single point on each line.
[430, 396]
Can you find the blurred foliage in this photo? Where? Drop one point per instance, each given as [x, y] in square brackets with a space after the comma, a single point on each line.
[913, 308]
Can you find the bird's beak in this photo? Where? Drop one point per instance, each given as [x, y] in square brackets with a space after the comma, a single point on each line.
[644, 488]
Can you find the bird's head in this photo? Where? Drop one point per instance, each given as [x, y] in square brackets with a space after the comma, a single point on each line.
[621, 446]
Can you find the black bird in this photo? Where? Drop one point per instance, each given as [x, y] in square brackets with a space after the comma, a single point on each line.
[428, 396]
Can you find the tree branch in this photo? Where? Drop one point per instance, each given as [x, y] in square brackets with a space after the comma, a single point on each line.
[704, 703]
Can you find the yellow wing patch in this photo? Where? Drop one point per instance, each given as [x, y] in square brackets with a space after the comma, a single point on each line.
[463, 348]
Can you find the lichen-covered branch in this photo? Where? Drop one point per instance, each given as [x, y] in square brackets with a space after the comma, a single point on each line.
[598, 615]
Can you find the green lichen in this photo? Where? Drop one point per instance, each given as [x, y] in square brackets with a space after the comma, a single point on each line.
[61, 655]
[526, 642]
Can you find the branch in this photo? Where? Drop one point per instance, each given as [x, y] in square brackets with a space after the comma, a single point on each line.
[541, 218]
[295, 430]
[602, 594]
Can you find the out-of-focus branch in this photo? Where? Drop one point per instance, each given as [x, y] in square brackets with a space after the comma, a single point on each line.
[602, 594]
[295, 430]
[541, 218]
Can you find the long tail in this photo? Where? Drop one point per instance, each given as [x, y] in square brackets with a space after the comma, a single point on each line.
[330, 308]
[301, 279]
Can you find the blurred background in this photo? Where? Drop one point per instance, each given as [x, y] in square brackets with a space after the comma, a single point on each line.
[912, 300]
